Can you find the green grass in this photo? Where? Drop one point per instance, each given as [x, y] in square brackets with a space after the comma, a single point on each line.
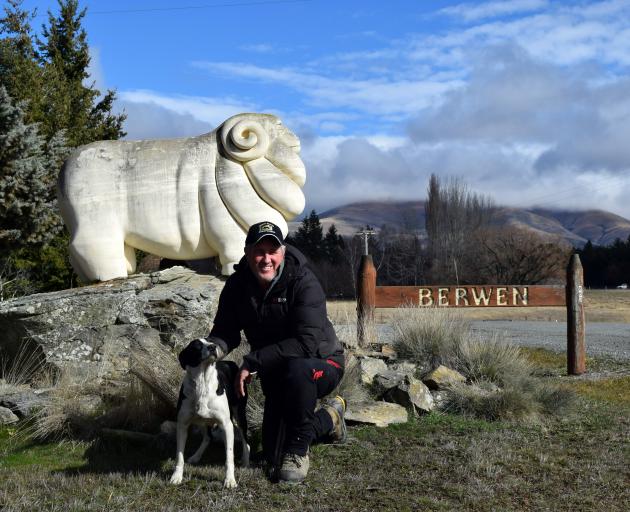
[437, 462]
[614, 390]
[18, 453]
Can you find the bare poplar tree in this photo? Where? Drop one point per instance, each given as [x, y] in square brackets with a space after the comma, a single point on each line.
[454, 216]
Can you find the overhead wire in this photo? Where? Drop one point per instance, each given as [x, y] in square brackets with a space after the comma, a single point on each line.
[192, 7]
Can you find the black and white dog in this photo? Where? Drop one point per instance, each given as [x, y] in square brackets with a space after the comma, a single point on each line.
[207, 398]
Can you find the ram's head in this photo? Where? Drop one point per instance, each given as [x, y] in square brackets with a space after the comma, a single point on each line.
[270, 155]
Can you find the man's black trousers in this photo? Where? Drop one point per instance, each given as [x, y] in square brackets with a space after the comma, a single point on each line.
[290, 422]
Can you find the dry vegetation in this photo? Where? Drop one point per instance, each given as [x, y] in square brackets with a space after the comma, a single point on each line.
[500, 381]
[601, 306]
[524, 459]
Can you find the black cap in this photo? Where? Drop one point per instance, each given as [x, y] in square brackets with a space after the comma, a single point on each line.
[262, 229]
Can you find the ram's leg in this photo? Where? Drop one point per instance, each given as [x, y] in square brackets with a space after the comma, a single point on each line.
[130, 257]
[228, 428]
[196, 457]
[99, 256]
[76, 263]
[182, 434]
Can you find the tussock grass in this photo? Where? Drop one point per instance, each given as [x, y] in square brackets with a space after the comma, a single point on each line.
[429, 335]
[490, 359]
[351, 388]
[159, 370]
[68, 408]
[23, 368]
[494, 404]
[140, 409]
[499, 375]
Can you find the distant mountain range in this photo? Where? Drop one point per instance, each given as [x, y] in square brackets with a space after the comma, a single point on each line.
[577, 227]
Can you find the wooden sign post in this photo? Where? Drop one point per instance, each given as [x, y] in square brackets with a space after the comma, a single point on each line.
[371, 296]
[576, 346]
[366, 298]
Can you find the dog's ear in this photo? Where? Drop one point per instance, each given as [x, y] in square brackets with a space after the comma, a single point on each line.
[191, 355]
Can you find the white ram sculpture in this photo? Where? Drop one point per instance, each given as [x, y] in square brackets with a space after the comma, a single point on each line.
[183, 199]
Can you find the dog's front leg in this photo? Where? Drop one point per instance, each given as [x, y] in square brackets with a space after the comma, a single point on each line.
[182, 434]
[228, 428]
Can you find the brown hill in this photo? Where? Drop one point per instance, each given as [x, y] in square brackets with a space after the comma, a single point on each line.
[598, 226]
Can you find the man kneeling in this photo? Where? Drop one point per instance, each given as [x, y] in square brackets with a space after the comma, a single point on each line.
[277, 301]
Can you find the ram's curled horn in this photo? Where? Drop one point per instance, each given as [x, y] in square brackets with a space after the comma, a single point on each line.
[244, 139]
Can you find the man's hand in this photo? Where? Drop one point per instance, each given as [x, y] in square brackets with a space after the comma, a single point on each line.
[243, 378]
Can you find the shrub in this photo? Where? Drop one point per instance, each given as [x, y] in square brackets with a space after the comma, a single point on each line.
[23, 367]
[499, 375]
[488, 402]
[429, 335]
[69, 407]
[493, 359]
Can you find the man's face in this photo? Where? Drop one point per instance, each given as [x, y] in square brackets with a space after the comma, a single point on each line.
[264, 259]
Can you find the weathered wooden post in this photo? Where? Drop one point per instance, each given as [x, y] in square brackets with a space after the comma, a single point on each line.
[576, 346]
[366, 298]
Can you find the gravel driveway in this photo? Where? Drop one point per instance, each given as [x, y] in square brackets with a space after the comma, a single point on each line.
[602, 339]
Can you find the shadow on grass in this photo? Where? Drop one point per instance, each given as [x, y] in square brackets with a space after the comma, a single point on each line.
[106, 456]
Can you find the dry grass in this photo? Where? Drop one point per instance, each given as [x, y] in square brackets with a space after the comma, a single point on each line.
[69, 408]
[615, 389]
[500, 381]
[437, 462]
[428, 335]
[23, 368]
[491, 360]
[159, 369]
[601, 306]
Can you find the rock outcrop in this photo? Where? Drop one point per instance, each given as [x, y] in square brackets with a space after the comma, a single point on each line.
[411, 393]
[91, 329]
[442, 377]
[380, 414]
[7, 417]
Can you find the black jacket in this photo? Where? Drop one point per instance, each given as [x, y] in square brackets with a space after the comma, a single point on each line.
[287, 321]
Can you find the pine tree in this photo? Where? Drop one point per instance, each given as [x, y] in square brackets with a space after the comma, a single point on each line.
[333, 245]
[47, 80]
[28, 171]
[73, 106]
[20, 72]
[51, 73]
[309, 237]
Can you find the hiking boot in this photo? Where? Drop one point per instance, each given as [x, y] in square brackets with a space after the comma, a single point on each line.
[294, 468]
[336, 408]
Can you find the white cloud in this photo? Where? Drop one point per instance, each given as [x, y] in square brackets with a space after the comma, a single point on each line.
[210, 110]
[529, 101]
[377, 96]
[474, 12]
[258, 48]
[512, 98]
[341, 170]
[95, 70]
[151, 121]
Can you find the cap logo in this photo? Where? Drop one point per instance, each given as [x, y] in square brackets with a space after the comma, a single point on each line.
[265, 227]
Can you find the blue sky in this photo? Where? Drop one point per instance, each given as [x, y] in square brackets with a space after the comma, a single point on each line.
[526, 100]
